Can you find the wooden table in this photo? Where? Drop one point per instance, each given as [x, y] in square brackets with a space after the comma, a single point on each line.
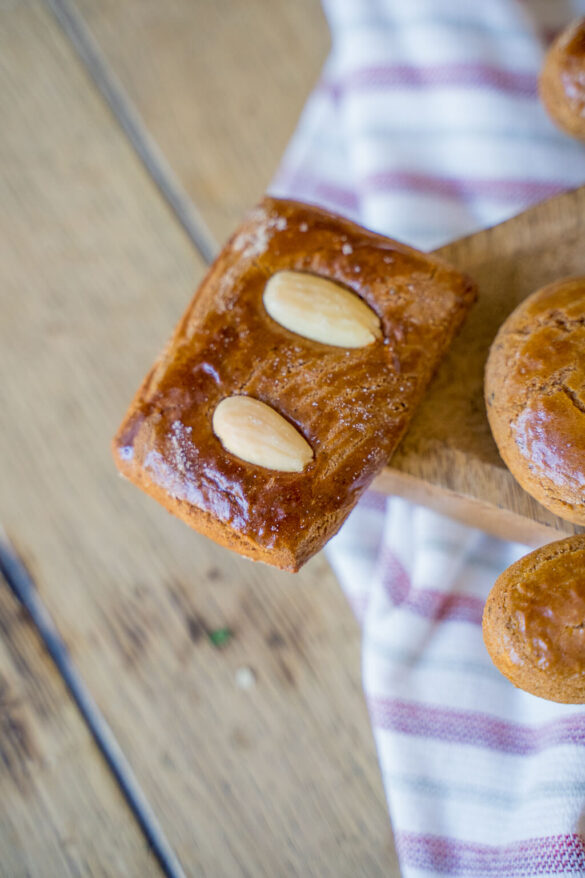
[274, 778]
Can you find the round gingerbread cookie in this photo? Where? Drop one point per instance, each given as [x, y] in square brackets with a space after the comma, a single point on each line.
[534, 622]
[535, 396]
[562, 80]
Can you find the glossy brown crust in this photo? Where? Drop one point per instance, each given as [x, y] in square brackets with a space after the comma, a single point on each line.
[562, 80]
[534, 622]
[352, 406]
[535, 396]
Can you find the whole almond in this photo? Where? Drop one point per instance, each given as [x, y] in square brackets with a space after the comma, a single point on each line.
[320, 310]
[256, 433]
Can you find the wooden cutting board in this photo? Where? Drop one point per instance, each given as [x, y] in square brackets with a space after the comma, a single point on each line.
[448, 459]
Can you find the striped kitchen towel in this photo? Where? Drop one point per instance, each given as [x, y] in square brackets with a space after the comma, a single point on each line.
[426, 126]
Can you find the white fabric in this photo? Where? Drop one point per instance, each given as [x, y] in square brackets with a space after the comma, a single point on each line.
[426, 126]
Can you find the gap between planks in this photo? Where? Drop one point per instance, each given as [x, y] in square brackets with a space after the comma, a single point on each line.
[16, 576]
[159, 170]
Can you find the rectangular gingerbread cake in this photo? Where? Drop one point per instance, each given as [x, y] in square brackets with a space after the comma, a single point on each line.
[340, 357]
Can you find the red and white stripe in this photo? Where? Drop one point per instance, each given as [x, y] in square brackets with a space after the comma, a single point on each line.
[426, 126]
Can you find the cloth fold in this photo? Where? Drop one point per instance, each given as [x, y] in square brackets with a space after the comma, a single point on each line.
[426, 126]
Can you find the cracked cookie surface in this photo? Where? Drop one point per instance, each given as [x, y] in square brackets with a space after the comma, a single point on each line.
[535, 396]
[534, 621]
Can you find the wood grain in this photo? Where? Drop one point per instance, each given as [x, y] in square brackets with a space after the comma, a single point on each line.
[219, 84]
[278, 779]
[60, 810]
[449, 455]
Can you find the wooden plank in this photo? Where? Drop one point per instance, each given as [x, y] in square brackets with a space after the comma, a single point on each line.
[449, 459]
[220, 85]
[60, 810]
[94, 274]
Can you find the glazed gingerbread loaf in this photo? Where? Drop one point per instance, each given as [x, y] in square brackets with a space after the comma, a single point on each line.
[290, 380]
[535, 396]
[534, 622]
